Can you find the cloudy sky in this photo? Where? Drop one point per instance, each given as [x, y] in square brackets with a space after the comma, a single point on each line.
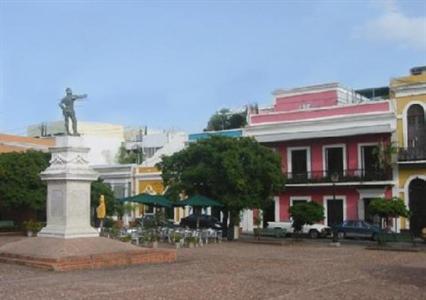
[171, 64]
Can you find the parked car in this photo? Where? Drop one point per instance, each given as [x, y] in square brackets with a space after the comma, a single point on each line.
[357, 229]
[205, 221]
[314, 231]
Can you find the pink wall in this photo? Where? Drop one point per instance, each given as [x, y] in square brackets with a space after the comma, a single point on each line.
[316, 146]
[320, 99]
[317, 195]
[319, 113]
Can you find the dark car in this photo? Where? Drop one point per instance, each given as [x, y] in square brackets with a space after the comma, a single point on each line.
[205, 221]
[356, 229]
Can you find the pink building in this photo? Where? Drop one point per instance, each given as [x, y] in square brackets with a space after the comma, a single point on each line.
[330, 139]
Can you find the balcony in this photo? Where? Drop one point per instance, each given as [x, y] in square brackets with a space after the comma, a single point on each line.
[412, 154]
[353, 175]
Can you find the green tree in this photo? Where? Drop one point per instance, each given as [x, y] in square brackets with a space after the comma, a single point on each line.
[125, 156]
[239, 172]
[306, 214]
[99, 188]
[20, 185]
[387, 209]
[225, 119]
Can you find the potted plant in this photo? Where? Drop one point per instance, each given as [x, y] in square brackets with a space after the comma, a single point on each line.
[176, 238]
[32, 227]
[126, 238]
[192, 241]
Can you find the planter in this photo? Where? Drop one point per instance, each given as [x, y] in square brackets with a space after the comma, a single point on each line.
[29, 233]
[177, 245]
[155, 244]
[191, 245]
[236, 232]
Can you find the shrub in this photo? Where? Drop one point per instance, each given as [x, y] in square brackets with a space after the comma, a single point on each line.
[306, 213]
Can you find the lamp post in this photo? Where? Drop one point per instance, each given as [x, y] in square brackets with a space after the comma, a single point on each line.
[334, 178]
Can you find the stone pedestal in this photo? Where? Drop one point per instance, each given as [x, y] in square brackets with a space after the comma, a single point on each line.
[68, 190]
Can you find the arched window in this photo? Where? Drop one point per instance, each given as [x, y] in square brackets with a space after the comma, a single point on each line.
[416, 131]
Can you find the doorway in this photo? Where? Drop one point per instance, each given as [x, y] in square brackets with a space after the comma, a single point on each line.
[417, 205]
[335, 214]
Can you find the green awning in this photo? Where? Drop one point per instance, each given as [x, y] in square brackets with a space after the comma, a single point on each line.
[199, 201]
[147, 199]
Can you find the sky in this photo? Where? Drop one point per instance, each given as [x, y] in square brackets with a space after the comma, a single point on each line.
[172, 64]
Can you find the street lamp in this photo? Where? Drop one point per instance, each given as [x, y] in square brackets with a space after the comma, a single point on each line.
[334, 178]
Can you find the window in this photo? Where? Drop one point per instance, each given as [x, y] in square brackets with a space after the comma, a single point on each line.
[416, 130]
[369, 160]
[334, 159]
[295, 200]
[299, 164]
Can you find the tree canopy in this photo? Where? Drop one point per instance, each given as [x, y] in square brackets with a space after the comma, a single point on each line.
[125, 156]
[388, 208]
[20, 183]
[306, 213]
[238, 172]
[225, 119]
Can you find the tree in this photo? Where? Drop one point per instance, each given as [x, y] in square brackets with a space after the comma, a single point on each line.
[306, 214]
[99, 188]
[125, 156]
[225, 119]
[388, 208]
[239, 172]
[21, 188]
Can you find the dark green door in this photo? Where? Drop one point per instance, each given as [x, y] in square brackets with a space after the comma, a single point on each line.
[417, 204]
[334, 212]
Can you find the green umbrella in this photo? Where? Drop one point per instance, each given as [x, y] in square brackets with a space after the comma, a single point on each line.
[199, 201]
[144, 198]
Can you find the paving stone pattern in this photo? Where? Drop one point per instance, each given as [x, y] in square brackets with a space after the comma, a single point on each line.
[235, 270]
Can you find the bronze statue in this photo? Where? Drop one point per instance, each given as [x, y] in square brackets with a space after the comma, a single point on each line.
[67, 105]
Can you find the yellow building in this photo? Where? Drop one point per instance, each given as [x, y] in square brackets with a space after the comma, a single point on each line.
[149, 181]
[409, 96]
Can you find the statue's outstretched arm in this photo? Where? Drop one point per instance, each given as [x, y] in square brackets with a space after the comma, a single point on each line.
[80, 96]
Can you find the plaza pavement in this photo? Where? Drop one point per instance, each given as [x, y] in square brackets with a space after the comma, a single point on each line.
[235, 270]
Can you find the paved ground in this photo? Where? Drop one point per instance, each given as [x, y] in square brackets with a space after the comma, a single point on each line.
[234, 270]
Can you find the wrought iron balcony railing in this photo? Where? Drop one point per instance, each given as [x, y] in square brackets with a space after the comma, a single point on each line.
[352, 175]
[412, 153]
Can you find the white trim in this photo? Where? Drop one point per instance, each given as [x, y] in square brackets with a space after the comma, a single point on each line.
[330, 197]
[299, 198]
[308, 159]
[370, 193]
[360, 145]
[324, 163]
[410, 90]
[404, 118]
[415, 162]
[349, 183]
[277, 208]
[332, 127]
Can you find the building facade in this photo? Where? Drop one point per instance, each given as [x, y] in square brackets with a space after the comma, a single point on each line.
[16, 143]
[409, 97]
[330, 140]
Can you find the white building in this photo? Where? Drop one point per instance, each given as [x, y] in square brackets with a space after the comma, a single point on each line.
[103, 139]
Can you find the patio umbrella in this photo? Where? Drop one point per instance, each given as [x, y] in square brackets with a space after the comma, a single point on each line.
[199, 201]
[148, 199]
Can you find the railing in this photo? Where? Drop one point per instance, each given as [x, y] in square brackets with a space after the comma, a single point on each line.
[353, 175]
[412, 154]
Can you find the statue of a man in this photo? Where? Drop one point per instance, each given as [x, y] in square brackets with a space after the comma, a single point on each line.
[67, 105]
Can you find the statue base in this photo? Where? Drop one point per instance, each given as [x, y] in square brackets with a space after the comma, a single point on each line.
[80, 253]
[68, 178]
